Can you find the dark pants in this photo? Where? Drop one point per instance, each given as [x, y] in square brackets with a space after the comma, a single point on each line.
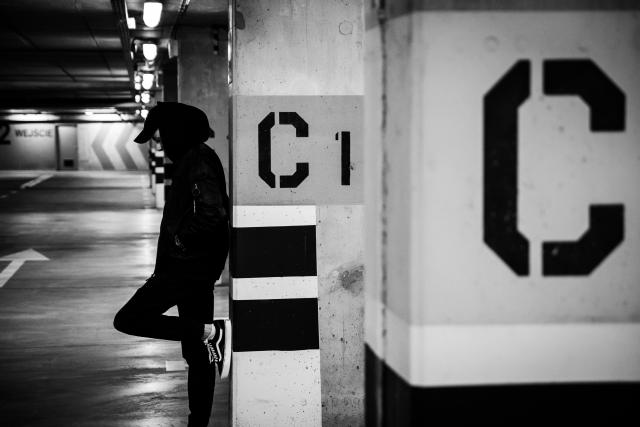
[143, 316]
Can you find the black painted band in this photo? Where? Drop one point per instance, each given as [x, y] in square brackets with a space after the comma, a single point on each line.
[391, 401]
[275, 324]
[273, 251]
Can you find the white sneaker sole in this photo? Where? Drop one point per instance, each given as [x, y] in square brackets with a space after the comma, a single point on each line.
[226, 357]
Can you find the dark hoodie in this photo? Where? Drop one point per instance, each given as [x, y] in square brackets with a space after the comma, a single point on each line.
[193, 242]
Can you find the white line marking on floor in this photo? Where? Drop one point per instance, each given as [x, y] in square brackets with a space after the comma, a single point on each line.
[17, 259]
[36, 181]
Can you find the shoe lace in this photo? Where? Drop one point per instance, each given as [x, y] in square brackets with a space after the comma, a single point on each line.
[213, 354]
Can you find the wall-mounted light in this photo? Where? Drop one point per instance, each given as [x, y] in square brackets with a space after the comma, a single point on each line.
[137, 97]
[147, 80]
[145, 97]
[144, 113]
[150, 51]
[151, 13]
[137, 78]
[137, 86]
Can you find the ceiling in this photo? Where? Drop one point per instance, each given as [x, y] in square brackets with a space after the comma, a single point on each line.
[74, 55]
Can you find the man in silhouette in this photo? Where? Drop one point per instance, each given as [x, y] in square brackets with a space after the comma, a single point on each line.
[192, 249]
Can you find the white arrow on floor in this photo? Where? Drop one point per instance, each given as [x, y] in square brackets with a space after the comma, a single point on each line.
[17, 259]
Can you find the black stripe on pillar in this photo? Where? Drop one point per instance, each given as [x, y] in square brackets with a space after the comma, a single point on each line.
[275, 324]
[391, 401]
[273, 251]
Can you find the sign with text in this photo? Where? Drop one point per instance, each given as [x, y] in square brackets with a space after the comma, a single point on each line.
[297, 150]
[27, 146]
[532, 162]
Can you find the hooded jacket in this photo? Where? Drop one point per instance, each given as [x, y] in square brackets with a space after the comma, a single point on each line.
[194, 232]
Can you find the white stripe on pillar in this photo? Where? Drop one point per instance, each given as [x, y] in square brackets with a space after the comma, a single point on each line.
[261, 397]
[275, 287]
[273, 216]
[448, 355]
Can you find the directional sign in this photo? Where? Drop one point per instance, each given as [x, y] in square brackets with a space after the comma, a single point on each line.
[110, 146]
[17, 259]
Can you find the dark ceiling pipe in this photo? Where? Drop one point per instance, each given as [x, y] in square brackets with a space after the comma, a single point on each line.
[119, 9]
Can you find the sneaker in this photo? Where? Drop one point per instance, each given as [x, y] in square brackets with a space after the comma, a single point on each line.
[219, 347]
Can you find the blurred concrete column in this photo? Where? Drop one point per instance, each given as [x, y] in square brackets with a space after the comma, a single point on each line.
[203, 83]
[502, 163]
[297, 177]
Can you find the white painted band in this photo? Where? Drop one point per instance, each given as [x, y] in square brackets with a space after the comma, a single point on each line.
[159, 169]
[274, 287]
[444, 355]
[36, 181]
[276, 388]
[159, 153]
[273, 216]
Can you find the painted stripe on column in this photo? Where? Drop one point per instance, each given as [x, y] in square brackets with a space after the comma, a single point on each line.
[256, 288]
[449, 355]
[273, 216]
[273, 251]
[392, 401]
[98, 149]
[269, 387]
[280, 324]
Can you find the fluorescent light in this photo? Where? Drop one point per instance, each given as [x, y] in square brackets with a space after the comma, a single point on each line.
[146, 97]
[144, 113]
[89, 113]
[137, 97]
[32, 117]
[131, 23]
[150, 51]
[151, 13]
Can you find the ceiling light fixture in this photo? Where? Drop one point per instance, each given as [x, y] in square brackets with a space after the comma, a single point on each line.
[131, 23]
[147, 81]
[137, 86]
[89, 113]
[144, 113]
[151, 13]
[150, 51]
[137, 97]
[145, 97]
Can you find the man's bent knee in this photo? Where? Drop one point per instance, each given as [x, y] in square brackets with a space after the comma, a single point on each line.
[121, 322]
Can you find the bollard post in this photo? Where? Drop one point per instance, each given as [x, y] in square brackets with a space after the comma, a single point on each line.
[152, 168]
[159, 181]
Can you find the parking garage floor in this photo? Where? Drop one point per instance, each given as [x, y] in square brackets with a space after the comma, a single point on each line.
[74, 246]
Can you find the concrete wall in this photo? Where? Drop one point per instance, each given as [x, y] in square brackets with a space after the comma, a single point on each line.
[202, 82]
[307, 57]
[28, 146]
[502, 211]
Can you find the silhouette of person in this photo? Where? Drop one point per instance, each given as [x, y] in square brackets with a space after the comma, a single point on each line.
[192, 249]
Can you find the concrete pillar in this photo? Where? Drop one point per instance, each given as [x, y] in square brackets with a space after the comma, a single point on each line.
[203, 83]
[503, 217]
[297, 177]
